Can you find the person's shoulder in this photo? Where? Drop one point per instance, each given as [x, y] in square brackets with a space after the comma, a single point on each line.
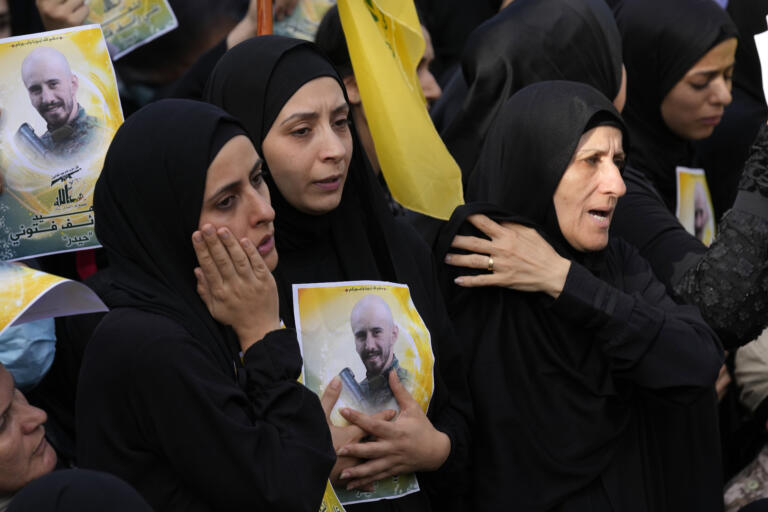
[139, 330]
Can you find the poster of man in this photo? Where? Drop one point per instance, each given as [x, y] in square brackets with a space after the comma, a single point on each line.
[59, 109]
[363, 331]
[694, 204]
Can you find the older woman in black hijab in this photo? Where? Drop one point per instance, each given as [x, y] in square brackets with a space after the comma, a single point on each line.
[563, 359]
[188, 387]
[527, 42]
[333, 225]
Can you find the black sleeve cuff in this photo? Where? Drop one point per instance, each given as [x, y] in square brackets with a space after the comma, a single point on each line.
[275, 358]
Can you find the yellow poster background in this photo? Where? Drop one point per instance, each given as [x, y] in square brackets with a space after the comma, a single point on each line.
[21, 285]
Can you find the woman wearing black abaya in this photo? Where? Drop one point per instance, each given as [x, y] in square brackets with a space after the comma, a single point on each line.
[527, 42]
[165, 401]
[559, 385]
[333, 225]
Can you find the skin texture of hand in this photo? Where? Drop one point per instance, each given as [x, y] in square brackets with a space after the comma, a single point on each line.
[58, 14]
[343, 436]
[522, 259]
[407, 444]
[284, 8]
[247, 27]
[235, 284]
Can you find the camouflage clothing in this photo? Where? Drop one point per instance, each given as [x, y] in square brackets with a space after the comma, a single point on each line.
[376, 389]
[73, 137]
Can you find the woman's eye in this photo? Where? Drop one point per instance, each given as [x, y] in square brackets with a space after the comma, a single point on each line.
[344, 122]
[225, 203]
[592, 160]
[300, 132]
[619, 163]
[257, 179]
[699, 86]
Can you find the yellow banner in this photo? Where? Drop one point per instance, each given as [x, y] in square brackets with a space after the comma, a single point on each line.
[386, 44]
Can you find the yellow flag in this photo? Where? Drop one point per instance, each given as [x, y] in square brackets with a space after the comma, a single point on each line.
[386, 44]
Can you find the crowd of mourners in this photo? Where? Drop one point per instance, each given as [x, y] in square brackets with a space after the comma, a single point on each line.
[591, 354]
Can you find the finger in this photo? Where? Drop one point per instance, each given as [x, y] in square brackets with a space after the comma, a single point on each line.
[80, 13]
[369, 471]
[203, 290]
[218, 252]
[330, 396]
[468, 260]
[240, 261]
[366, 450]
[480, 280]
[256, 261]
[376, 427]
[472, 244]
[205, 259]
[485, 224]
[385, 415]
[403, 397]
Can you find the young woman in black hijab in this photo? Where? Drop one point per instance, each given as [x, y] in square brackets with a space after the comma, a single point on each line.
[188, 387]
[527, 42]
[563, 357]
[333, 225]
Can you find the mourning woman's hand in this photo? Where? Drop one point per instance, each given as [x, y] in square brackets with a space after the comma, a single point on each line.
[522, 259]
[57, 14]
[410, 443]
[235, 284]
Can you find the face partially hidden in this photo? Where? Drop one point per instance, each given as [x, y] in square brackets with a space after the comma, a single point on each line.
[309, 147]
[24, 452]
[695, 105]
[236, 197]
[375, 333]
[587, 193]
[51, 86]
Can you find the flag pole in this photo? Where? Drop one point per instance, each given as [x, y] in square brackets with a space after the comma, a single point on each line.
[264, 17]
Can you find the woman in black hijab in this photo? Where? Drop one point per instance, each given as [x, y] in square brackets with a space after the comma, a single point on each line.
[333, 225]
[188, 387]
[563, 358]
[527, 42]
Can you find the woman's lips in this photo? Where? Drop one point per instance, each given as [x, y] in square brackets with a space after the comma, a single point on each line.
[266, 245]
[601, 217]
[330, 184]
[711, 121]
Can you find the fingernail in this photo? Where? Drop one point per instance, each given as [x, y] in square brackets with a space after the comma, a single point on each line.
[196, 237]
[447, 258]
[208, 230]
[459, 280]
[344, 475]
[246, 243]
[342, 451]
[224, 234]
[344, 410]
[335, 383]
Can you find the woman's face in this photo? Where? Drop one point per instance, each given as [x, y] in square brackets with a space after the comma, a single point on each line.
[696, 103]
[309, 147]
[587, 193]
[236, 197]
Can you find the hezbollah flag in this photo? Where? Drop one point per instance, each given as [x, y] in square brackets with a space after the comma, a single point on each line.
[385, 43]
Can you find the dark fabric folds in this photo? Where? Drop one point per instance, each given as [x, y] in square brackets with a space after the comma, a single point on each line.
[682, 32]
[527, 42]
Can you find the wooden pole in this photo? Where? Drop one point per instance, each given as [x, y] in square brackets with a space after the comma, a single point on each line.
[264, 15]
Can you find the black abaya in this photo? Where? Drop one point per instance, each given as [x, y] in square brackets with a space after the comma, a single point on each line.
[559, 386]
[164, 400]
[359, 240]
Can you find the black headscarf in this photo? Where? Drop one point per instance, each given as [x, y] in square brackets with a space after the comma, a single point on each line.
[565, 433]
[357, 240]
[749, 16]
[662, 41]
[530, 41]
[148, 200]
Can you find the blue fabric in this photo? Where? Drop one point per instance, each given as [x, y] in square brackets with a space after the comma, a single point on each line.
[27, 350]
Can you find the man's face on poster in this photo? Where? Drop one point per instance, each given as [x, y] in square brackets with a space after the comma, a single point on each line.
[51, 86]
[375, 333]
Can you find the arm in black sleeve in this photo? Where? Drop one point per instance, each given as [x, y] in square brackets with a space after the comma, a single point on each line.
[729, 282]
[263, 445]
[648, 337]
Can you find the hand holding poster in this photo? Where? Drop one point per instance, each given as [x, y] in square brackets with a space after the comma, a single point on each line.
[27, 294]
[129, 24]
[59, 109]
[362, 331]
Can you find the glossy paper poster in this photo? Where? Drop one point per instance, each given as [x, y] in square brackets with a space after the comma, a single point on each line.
[27, 294]
[59, 109]
[304, 20]
[694, 204]
[128, 24]
[361, 331]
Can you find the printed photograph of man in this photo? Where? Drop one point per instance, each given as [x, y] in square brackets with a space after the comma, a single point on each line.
[375, 335]
[52, 89]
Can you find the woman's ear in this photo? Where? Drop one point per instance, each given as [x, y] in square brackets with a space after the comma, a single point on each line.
[352, 91]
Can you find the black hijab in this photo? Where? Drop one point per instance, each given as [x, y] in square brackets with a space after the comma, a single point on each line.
[530, 41]
[147, 202]
[546, 382]
[662, 41]
[357, 240]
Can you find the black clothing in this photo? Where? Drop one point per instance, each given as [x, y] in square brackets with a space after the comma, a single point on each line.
[682, 32]
[78, 490]
[164, 399]
[527, 42]
[560, 386]
[358, 240]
